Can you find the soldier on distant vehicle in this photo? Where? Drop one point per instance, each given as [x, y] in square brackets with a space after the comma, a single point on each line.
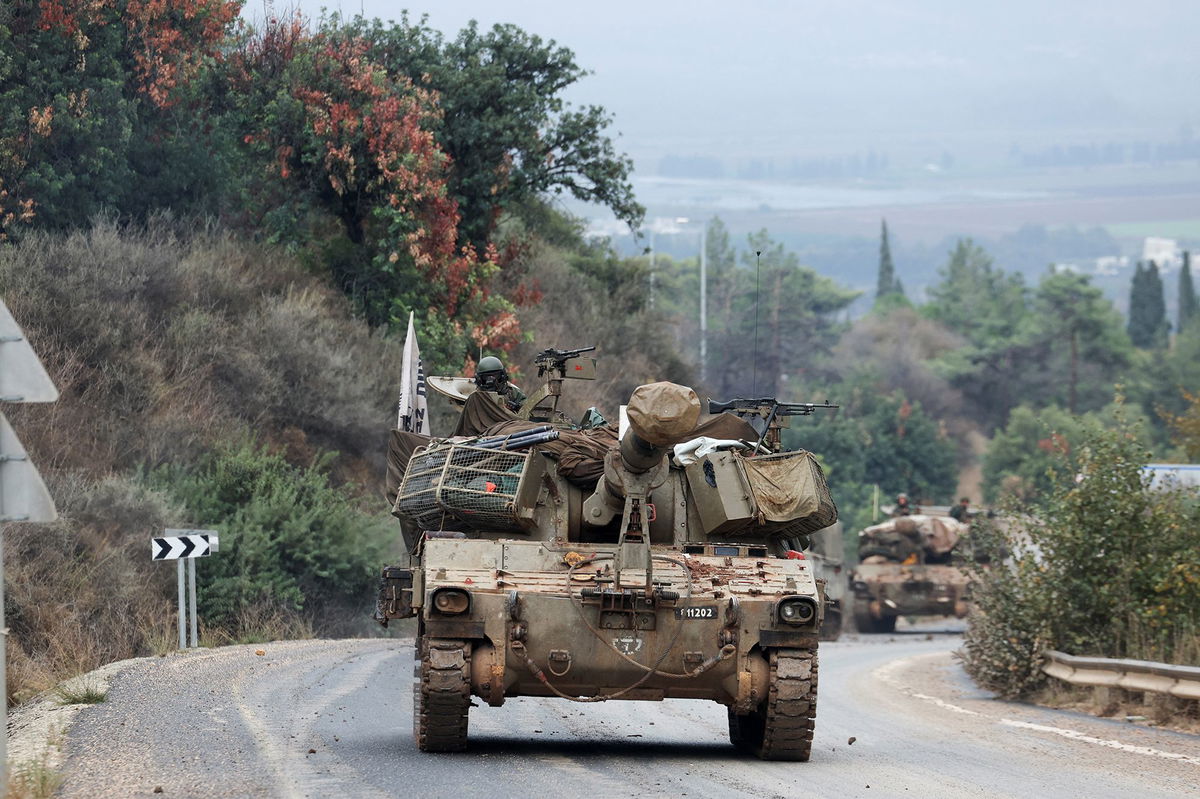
[960, 512]
[490, 375]
[903, 508]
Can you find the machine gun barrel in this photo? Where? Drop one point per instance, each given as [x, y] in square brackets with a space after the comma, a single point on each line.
[552, 354]
[769, 404]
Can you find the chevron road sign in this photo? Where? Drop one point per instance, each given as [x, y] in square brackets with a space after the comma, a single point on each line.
[183, 544]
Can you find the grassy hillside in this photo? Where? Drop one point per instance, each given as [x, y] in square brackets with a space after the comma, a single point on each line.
[187, 362]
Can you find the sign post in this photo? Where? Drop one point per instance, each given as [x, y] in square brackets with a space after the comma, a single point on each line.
[23, 495]
[181, 545]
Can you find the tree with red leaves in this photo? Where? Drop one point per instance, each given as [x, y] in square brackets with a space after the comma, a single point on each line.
[98, 107]
[320, 115]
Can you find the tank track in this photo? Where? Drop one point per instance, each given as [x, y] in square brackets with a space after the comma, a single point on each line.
[442, 695]
[782, 728]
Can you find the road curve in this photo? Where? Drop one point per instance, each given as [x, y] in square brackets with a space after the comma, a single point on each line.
[333, 718]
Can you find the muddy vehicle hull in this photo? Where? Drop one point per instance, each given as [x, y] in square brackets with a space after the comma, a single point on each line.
[882, 592]
[539, 621]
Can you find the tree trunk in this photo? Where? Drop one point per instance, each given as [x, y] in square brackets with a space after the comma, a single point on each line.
[1074, 376]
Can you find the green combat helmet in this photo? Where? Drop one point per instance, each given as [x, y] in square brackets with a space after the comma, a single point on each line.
[490, 375]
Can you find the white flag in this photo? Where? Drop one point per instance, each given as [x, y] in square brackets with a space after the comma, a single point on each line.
[414, 411]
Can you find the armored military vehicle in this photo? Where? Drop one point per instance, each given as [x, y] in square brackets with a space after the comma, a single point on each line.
[907, 568]
[826, 553]
[556, 561]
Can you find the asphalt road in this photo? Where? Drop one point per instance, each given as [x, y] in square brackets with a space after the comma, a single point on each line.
[333, 719]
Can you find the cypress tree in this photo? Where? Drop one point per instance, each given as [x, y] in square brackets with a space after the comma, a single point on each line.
[886, 283]
[1156, 305]
[1137, 308]
[1187, 294]
[1148, 324]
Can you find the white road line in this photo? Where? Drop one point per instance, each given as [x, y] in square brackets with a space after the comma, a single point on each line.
[887, 674]
[1079, 736]
[943, 704]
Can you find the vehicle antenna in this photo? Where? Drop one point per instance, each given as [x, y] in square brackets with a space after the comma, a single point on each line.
[757, 272]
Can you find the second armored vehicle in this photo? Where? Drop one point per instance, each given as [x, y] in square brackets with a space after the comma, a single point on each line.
[906, 568]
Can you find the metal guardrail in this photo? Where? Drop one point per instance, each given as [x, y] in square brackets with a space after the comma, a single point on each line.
[1131, 675]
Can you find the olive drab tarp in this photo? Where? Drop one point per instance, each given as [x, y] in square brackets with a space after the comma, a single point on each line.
[481, 411]
[401, 446]
[663, 413]
[789, 489]
[723, 425]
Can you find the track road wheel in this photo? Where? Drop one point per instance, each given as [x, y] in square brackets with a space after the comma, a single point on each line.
[782, 727]
[442, 695]
[831, 627]
[864, 622]
[885, 625]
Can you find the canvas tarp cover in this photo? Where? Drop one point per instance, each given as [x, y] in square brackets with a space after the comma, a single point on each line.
[939, 535]
[790, 492]
[723, 425]
[401, 446]
[663, 413]
[480, 413]
[580, 453]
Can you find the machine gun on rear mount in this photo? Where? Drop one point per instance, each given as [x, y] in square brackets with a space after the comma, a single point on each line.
[767, 415]
[556, 365]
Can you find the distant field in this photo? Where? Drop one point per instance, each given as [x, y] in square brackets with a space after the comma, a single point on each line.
[1139, 215]
[1172, 229]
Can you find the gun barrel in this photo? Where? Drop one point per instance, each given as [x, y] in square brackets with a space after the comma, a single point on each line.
[660, 415]
[552, 354]
[767, 404]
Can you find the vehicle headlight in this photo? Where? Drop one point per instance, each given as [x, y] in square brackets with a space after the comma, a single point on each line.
[797, 610]
[451, 601]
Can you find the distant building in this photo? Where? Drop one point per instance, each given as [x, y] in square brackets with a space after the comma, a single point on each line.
[1164, 252]
[1173, 475]
[1111, 264]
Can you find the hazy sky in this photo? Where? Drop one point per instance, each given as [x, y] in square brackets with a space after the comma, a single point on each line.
[789, 78]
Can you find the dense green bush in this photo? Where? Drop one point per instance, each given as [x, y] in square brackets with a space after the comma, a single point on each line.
[1100, 565]
[1021, 458]
[876, 438]
[290, 541]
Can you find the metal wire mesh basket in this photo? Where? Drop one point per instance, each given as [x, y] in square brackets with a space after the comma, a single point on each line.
[476, 486]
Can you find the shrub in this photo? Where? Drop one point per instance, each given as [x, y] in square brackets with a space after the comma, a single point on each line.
[1101, 566]
[289, 539]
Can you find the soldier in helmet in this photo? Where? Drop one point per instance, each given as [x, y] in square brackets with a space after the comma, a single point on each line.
[902, 508]
[962, 511]
[491, 376]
